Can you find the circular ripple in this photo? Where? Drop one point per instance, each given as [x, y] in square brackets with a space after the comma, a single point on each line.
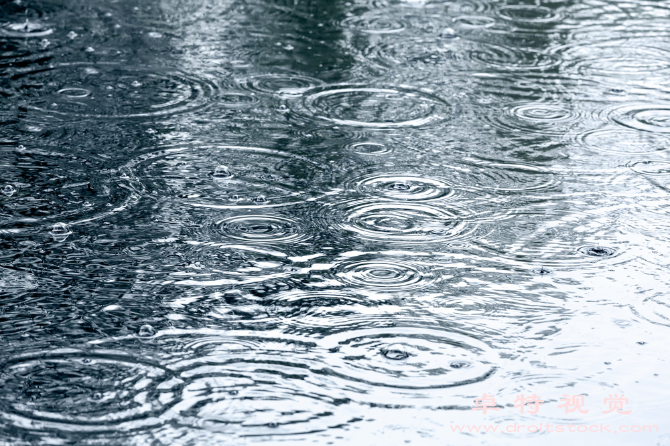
[408, 358]
[512, 59]
[403, 187]
[653, 168]
[474, 21]
[254, 177]
[596, 251]
[364, 106]
[528, 14]
[114, 91]
[654, 309]
[560, 240]
[385, 275]
[369, 148]
[283, 85]
[25, 29]
[502, 177]
[210, 264]
[643, 116]
[400, 222]
[536, 117]
[374, 23]
[71, 390]
[50, 188]
[261, 229]
[613, 58]
[623, 141]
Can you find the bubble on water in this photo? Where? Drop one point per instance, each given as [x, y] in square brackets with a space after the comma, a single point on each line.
[72, 35]
[136, 84]
[146, 331]
[395, 352]
[8, 190]
[283, 109]
[60, 232]
[222, 172]
[448, 33]
[90, 49]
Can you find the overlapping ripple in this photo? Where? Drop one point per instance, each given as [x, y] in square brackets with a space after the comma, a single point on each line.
[647, 117]
[409, 358]
[212, 264]
[45, 188]
[84, 90]
[223, 177]
[69, 390]
[546, 118]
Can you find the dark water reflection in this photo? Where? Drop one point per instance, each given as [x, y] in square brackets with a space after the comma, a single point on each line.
[236, 222]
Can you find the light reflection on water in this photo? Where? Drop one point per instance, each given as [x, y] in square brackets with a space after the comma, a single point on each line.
[336, 222]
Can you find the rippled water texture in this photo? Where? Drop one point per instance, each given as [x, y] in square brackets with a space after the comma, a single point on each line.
[333, 222]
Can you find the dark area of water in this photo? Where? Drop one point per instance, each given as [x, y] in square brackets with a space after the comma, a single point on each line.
[332, 222]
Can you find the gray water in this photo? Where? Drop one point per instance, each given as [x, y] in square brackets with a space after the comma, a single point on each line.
[332, 222]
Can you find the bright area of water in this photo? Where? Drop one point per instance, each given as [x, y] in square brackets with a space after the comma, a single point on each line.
[334, 222]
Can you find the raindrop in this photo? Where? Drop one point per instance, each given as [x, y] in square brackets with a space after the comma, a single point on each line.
[72, 35]
[233, 392]
[146, 331]
[260, 199]
[136, 84]
[399, 186]
[396, 352]
[596, 251]
[97, 396]
[283, 109]
[8, 190]
[273, 425]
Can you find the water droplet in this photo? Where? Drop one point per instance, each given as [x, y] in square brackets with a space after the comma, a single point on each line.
[146, 331]
[90, 49]
[272, 425]
[642, 343]
[260, 199]
[136, 84]
[396, 352]
[72, 35]
[97, 396]
[222, 172]
[8, 190]
[283, 109]
[233, 392]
